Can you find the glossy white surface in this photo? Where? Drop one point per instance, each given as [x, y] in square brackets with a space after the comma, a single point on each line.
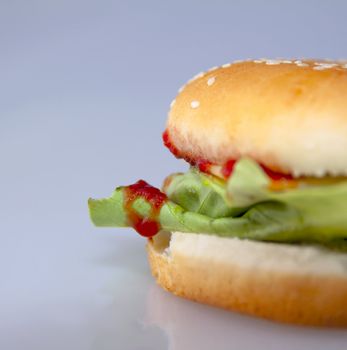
[84, 91]
[106, 299]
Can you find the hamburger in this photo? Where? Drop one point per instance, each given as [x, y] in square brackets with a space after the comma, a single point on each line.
[258, 224]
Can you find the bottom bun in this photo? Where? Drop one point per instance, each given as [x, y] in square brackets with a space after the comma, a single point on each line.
[289, 283]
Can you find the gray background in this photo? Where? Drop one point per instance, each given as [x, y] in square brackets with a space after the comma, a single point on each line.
[84, 92]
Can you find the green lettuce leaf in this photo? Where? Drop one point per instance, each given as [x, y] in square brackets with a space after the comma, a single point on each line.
[248, 184]
[201, 193]
[243, 207]
[322, 208]
[257, 223]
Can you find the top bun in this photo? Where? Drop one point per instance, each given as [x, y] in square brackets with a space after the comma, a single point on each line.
[290, 116]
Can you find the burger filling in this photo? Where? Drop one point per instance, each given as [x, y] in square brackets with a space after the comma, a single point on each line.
[251, 203]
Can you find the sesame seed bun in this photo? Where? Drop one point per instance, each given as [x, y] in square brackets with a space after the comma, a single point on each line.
[288, 115]
[288, 283]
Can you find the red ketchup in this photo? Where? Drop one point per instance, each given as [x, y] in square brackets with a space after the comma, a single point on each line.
[276, 176]
[203, 165]
[169, 144]
[174, 150]
[145, 226]
[227, 169]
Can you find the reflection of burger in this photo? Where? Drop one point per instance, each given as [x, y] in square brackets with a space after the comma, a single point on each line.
[259, 222]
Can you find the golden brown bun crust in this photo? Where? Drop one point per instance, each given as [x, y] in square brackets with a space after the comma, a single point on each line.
[317, 299]
[288, 115]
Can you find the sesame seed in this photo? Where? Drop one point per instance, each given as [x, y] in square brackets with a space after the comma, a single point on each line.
[298, 62]
[324, 65]
[226, 65]
[344, 66]
[211, 80]
[272, 62]
[327, 64]
[238, 61]
[199, 75]
[213, 68]
[258, 61]
[181, 89]
[302, 64]
[172, 103]
[286, 61]
[195, 104]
